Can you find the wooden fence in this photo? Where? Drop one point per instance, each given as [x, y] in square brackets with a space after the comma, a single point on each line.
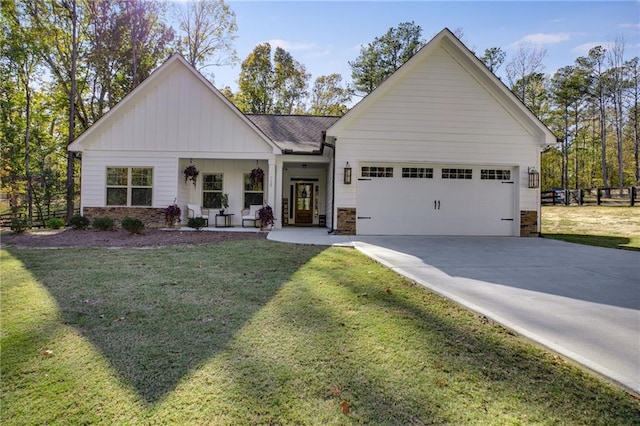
[593, 197]
[39, 218]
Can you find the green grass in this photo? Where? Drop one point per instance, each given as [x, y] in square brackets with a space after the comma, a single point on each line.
[257, 332]
[613, 227]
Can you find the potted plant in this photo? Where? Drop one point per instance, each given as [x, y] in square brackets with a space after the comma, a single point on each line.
[172, 215]
[256, 176]
[224, 202]
[191, 174]
[265, 215]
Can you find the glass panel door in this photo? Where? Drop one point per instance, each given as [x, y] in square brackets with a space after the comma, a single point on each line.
[304, 204]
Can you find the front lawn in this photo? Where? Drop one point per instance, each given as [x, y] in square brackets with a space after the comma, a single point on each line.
[257, 332]
[613, 227]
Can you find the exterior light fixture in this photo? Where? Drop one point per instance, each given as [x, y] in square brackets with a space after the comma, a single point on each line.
[347, 174]
[534, 178]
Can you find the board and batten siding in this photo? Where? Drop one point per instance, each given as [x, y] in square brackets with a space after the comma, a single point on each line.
[177, 113]
[438, 113]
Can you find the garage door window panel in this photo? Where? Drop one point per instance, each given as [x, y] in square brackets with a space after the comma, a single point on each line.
[491, 174]
[417, 173]
[465, 174]
[377, 171]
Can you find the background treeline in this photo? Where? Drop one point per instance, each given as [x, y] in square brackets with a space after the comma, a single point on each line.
[65, 63]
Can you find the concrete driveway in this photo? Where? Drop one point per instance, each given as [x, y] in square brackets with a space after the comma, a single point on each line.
[582, 302]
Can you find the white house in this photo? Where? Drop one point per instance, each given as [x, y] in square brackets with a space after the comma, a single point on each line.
[442, 147]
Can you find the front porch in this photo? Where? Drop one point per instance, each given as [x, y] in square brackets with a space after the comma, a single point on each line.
[295, 186]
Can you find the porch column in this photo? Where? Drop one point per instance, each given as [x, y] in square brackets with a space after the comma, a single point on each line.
[277, 203]
[272, 199]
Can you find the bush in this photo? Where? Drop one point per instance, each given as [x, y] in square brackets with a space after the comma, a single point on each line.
[196, 223]
[55, 223]
[19, 224]
[103, 223]
[133, 225]
[79, 222]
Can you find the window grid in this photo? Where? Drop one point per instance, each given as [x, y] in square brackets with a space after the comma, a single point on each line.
[253, 194]
[417, 172]
[212, 184]
[129, 186]
[377, 171]
[490, 174]
[457, 173]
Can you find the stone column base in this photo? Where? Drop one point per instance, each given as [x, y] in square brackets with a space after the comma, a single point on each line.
[346, 221]
[529, 224]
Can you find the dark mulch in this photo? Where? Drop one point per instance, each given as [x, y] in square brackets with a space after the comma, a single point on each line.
[121, 238]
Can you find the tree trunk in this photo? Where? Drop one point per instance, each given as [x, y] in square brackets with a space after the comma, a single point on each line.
[603, 144]
[27, 170]
[72, 112]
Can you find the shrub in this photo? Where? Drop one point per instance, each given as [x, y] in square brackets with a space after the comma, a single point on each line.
[133, 225]
[103, 223]
[196, 223]
[79, 222]
[19, 224]
[55, 223]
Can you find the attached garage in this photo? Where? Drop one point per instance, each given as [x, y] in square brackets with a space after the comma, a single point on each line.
[432, 199]
[441, 147]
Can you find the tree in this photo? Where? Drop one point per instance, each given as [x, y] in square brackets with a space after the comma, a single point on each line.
[633, 72]
[594, 65]
[328, 97]
[535, 92]
[255, 81]
[146, 38]
[527, 62]
[615, 83]
[208, 31]
[569, 87]
[271, 87]
[493, 58]
[22, 60]
[290, 83]
[384, 55]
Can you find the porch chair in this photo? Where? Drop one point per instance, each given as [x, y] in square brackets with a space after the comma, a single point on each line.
[251, 214]
[194, 210]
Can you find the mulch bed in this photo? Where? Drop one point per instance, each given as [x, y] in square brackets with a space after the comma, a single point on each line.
[121, 238]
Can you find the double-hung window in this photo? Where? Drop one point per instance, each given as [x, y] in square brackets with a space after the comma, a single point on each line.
[130, 186]
[212, 184]
[253, 193]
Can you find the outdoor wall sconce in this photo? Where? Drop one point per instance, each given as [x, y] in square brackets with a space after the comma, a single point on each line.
[347, 174]
[534, 178]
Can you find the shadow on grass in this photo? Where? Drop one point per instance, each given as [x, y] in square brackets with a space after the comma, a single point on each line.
[158, 314]
[397, 359]
[594, 240]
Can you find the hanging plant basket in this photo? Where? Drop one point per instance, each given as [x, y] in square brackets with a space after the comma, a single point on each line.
[256, 176]
[191, 174]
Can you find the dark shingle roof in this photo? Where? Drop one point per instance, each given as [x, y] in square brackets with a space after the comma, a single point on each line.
[294, 133]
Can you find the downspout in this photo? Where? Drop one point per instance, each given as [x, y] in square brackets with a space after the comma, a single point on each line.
[333, 192]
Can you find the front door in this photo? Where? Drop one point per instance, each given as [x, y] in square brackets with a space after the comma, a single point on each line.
[304, 204]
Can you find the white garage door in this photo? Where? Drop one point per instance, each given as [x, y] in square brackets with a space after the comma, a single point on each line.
[435, 200]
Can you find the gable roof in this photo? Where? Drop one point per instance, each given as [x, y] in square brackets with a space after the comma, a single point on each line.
[175, 59]
[294, 134]
[446, 40]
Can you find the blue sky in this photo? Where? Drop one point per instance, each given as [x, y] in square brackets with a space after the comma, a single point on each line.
[325, 35]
